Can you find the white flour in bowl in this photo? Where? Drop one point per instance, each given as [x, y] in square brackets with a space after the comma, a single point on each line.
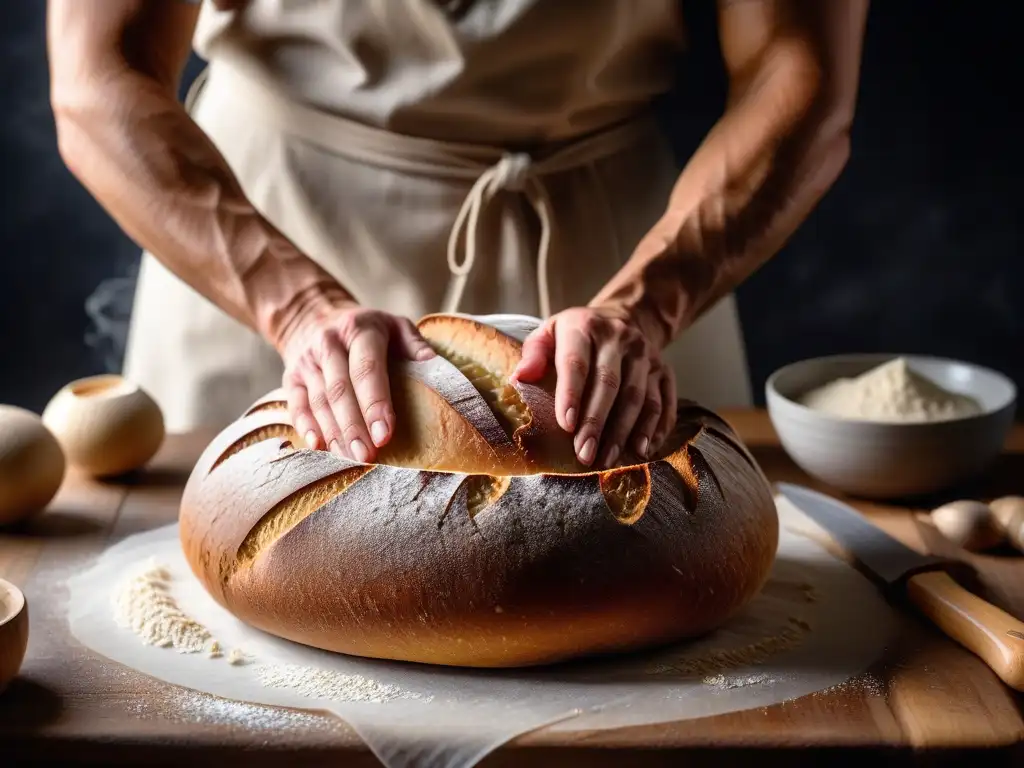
[891, 392]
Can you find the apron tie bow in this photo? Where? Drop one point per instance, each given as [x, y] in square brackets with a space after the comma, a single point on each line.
[514, 172]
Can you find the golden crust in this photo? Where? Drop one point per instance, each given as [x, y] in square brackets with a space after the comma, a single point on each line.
[541, 443]
[478, 567]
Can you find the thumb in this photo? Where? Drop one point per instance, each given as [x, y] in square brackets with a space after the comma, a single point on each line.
[411, 342]
[538, 351]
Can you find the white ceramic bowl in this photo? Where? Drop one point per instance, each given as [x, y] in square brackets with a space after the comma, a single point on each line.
[891, 460]
[13, 631]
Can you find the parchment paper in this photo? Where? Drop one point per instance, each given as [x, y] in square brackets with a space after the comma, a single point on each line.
[462, 715]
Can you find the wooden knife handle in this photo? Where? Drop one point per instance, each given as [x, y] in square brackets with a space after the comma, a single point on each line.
[980, 627]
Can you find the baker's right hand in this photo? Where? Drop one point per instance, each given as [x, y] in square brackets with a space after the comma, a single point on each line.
[336, 377]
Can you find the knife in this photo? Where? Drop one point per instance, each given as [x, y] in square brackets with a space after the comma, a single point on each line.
[980, 627]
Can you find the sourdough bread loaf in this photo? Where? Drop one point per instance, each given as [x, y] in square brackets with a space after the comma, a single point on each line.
[477, 539]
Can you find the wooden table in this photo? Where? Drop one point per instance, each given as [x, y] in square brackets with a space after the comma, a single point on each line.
[928, 699]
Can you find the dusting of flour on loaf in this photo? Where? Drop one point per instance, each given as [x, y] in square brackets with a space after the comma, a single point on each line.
[891, 392]
[144, 605]
[327, 684]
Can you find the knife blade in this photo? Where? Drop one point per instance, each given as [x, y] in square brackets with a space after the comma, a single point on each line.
[889, 559]
[982, 628]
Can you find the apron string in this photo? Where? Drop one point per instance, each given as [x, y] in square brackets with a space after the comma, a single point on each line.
[512, 173]
[542, 204]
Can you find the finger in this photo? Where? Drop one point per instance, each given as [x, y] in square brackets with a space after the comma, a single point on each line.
[650, 416]
[352, 438]
[573, 350]
[368, 371]
[320, 407]
[410, 341]
[538, 350]
[301, 414]
[626, 409]
[604, 382]
[667, 422]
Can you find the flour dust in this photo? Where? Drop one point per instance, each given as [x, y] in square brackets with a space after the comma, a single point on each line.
[775, 622]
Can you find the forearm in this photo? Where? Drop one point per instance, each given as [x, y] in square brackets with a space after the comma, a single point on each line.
[161, 178]
[783, 140]
[756, 177]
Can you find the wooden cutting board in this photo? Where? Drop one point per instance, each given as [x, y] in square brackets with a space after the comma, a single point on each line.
[928, 695]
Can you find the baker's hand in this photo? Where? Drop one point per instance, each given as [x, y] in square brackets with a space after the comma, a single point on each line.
[612, 389]
[336, 377]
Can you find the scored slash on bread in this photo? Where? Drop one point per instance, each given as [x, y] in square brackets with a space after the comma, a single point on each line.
[477, 539]
[486, 354]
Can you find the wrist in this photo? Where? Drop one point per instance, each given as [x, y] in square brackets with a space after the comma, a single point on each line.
[653, 290]
[637, 315]
[303, 310]
[288, 292]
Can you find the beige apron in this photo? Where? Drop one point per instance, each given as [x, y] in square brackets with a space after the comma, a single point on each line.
[501, 160]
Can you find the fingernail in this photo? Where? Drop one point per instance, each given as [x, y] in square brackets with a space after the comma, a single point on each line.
[642, 444]
[335, 448]
[588, 450]
[425, 353]
[359, 452]
[378, 432]
[613, 454]
[570, 418]
[311, 441]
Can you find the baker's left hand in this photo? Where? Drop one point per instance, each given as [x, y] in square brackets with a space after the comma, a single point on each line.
[612, 389]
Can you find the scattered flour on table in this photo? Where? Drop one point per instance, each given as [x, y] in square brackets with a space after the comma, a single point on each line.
[891, 392]
[144, 605]
[327, 684]
[866, 684]
[194, 707]
[710, 662]
[726, 683]
[774, 624]
[777, 620]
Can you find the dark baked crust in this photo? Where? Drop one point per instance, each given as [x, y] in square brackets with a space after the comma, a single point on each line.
[485, 570]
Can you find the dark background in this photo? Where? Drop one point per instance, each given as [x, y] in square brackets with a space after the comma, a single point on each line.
[917, 249]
